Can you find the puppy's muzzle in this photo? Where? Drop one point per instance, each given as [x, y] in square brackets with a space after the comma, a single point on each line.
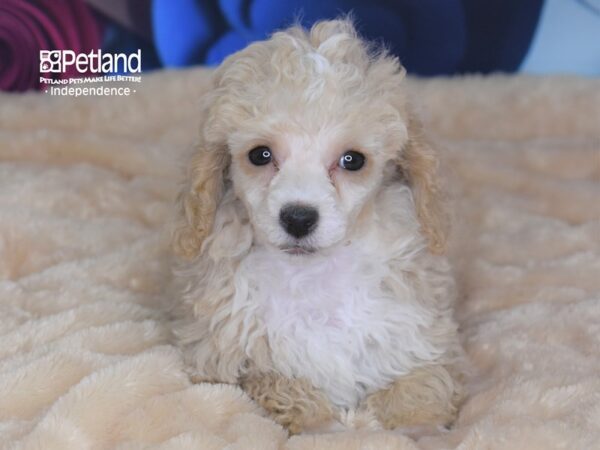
[298, 220]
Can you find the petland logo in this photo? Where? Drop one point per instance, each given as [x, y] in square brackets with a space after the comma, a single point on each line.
[62, 66]
[60, 61]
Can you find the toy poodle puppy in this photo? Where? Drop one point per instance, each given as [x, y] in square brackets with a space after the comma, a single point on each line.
[310, 239]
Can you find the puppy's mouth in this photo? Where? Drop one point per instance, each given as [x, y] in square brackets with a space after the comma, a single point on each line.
[298, 250]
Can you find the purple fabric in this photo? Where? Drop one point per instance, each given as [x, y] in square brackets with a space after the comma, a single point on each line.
[28, 26]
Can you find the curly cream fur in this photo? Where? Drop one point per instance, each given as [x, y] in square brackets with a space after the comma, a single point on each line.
[419, 162]
[198, 200]
[293, 403]
[373, 304]
[428, 395]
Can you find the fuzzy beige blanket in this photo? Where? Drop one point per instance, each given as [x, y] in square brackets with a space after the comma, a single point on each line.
[86, 187]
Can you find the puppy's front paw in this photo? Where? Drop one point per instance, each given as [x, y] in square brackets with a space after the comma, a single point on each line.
[425, 398]
[292, 402]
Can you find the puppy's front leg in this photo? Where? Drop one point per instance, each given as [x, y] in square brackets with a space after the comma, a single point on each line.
[428, 396]
[292, 402]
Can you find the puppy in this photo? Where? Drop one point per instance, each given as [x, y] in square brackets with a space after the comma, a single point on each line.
[310, 239]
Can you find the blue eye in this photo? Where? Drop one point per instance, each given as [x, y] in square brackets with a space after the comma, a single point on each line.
[352, 160]
[260, 156]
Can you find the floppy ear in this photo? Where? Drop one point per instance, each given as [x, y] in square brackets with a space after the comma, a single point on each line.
[418, 163]
[199, 198]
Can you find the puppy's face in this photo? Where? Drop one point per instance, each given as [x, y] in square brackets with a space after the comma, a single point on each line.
[306, 127]
[305, 170]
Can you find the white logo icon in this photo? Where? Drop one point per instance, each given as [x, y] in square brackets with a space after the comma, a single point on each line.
[50, 61]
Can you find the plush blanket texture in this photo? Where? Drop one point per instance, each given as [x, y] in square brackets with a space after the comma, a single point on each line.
[86, 190]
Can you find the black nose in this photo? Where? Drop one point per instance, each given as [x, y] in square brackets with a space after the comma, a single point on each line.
[298, 220]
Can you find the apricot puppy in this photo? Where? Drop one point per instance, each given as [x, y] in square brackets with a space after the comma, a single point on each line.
[311, 236]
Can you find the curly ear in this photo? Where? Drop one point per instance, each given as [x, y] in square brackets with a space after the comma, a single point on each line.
[418, 163]
[198, 200]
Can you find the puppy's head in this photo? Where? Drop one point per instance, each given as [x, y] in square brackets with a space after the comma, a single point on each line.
[306, 128]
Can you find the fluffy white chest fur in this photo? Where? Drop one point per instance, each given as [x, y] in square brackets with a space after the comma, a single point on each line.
[331, 319]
